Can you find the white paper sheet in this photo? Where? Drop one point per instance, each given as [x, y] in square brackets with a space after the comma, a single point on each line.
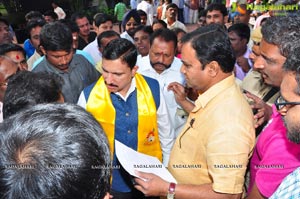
[132, 160]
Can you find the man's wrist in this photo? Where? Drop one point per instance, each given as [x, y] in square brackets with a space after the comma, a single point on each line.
[171, 191]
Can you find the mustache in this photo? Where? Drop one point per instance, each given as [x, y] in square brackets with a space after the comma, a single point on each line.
[156, 63]
[112, 85]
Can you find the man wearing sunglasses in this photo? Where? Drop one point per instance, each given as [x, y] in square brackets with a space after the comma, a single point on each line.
[288, 104]
[274, 156]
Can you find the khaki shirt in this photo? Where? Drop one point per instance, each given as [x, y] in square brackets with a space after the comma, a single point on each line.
[215, 148]
[253, 83]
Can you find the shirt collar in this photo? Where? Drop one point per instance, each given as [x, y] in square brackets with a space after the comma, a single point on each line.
[171, 68]
[212, 92]
[130, 90]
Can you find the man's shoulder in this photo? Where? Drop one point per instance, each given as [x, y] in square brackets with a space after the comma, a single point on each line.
[92, 36]
[274, 128]
[181, 25]
[79, 57]
[154, 86]
[42, 66]
[143, 60]
[289, 188]
[80, 61]
[150, 80]
[144, 65]
[177, 63]
[87, 90]
[125, 35]
[91, 47]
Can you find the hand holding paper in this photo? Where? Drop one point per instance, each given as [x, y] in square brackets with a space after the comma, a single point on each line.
[152, 178]
[132, 160]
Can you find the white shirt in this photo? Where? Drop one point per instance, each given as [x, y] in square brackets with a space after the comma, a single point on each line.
[32, 59]
[164, 9]
[60, 12]
[176, 24]
[92, 49]
[165, 133]
[239, 73]
[148, 9]
[125, 35]
[168, 76]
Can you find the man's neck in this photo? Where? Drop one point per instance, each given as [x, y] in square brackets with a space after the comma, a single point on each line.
[125, 92]
[241, 53]
[39, 52]
[170, 21]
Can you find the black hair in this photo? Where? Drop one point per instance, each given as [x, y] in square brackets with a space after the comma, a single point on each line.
[71, 24]
[172, 5]
[26, 89]
[141, 13]
[283, 32]
[78, 15]
[101, 18]
[52, 14]
[166, 35]
[106, 34]
[178, 30]
[217, 6]
[4, 21]
[33, 15]
[292, 64]
[241, 29]
[6, 48]
[34, 23]
[146, 29]
[123, 49]
[212, 43]
[164, 24]
[56, 36]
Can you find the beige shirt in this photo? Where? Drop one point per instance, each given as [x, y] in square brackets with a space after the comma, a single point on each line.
[253, 83]
[216, 148]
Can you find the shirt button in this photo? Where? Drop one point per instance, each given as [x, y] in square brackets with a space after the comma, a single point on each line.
[127, 114]
[129, 131]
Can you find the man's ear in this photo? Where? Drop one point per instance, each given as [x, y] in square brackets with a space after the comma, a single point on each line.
[134, 70]
[225, 19]
[244, 40]
[213, 68]
[43, 50]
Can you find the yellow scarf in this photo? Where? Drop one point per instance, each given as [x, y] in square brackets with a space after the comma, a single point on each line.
[100, 106]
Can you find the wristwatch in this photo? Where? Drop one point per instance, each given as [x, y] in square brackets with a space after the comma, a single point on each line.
[171, 191]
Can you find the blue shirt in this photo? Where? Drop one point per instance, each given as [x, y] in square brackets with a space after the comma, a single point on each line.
[126, 130]
[289, 187]
[28, 47]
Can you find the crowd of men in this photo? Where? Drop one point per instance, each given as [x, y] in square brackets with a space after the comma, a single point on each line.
[219, 106]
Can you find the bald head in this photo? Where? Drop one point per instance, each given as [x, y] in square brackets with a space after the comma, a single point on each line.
[7, 69]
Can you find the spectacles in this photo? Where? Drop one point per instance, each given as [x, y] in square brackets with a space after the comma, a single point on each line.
[191, 126]
[280, 103]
